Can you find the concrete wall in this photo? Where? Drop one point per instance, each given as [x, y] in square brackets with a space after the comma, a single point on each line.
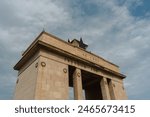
[52, 80]
[119, 90]
[25, 85]
[46, 77]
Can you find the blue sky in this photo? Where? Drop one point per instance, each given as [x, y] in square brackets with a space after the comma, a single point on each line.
[117, 30]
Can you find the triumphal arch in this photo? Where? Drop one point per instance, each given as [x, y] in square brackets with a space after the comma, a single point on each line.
[50, 66]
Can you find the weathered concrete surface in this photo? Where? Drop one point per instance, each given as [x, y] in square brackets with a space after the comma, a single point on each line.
[43, 72]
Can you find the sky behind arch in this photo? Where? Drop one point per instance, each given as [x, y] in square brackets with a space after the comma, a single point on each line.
[117, 30]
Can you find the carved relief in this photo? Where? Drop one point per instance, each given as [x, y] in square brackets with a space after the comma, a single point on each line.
[43, 64]
[78, 74]
[36, 65]
[65, 70]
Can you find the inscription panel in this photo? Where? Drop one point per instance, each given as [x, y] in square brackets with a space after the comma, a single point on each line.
[79, 52]
[77, 64]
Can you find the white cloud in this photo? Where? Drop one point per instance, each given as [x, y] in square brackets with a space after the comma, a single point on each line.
[111, 31]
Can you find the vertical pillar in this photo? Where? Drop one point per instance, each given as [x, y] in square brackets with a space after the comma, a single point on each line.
[112, 90]
[105, 89]
[77, 84]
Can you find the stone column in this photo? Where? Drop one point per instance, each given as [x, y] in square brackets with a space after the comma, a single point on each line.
[105, 89]
[112, 90]
[77, 84]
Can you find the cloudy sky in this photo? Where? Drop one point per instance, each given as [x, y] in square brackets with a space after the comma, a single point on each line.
[117, 30]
